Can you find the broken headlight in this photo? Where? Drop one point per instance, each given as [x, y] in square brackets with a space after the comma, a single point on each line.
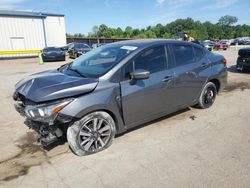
[45, 112]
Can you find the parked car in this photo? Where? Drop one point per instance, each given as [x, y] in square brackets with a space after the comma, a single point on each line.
[234, 42]
[208, 45]
[247, 42]
[116, 87]
[66, 48]
[224, 41]
[53, 54]
[221, 46]
[243, 61]
[77, 49]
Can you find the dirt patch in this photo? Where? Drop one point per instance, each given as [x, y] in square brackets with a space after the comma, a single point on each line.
[31, 154]
[236, 86]
[192, 117]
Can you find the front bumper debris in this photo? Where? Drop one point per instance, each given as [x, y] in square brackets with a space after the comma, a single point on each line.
[48, 133]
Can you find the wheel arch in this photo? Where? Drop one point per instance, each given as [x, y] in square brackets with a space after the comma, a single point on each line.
[120, 127]
[216, 83]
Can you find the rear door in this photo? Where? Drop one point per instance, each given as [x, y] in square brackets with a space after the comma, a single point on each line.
[146, 99]
[192, 69]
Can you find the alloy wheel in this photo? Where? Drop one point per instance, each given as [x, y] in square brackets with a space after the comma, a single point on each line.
[94, 135]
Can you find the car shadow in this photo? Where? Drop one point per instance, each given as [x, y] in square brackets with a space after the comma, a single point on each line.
[233, 69]
[155, 121]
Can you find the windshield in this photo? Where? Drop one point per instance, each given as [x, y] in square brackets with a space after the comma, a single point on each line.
[100, 60]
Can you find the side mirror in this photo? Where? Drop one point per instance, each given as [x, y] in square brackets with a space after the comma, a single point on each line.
[139, 74]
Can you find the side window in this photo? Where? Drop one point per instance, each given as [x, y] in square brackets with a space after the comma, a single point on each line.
[199, 53]
[152, 60]
[183, 54]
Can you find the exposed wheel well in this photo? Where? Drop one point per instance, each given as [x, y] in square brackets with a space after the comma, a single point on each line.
[217, 84]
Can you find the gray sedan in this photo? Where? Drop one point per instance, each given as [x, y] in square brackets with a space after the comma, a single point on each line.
[116, 87]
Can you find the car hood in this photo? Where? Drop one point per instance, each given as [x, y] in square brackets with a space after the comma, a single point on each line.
[52, 85]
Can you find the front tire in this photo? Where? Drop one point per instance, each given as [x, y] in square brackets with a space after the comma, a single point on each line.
[208, 95]
[91, 134]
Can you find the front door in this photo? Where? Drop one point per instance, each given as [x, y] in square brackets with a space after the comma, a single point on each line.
[147, 98]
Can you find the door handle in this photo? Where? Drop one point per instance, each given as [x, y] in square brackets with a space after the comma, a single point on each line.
[167, 78]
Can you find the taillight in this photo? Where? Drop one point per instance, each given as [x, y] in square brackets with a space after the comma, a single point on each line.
[224, 61]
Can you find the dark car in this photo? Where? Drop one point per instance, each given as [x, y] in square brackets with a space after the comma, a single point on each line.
[53, 54]
[77, 49]
[116, 87]
[243, 61]
[66, 48]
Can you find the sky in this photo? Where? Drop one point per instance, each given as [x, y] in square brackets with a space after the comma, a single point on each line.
[82, 15]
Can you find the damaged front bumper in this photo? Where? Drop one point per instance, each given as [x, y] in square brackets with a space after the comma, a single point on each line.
[49, 132]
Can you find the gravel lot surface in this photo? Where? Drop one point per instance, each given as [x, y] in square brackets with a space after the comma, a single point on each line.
[191, 148]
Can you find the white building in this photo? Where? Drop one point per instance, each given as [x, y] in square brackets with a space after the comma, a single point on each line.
[21, 30]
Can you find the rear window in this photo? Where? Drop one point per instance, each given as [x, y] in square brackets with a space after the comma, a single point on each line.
[183, 54]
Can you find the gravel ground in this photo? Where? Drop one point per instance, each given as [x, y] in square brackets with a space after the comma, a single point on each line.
[191, 148]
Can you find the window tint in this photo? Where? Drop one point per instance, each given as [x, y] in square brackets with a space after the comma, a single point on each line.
[152, 60]
[183, 54]
[199, 53]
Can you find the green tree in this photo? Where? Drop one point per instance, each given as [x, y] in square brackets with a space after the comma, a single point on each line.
[119, 32]
[227, 20]
[103, 30]
[225, 28]
[128, 32]
[167, 36]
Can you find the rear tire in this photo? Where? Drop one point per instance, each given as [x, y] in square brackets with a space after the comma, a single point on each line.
[240, 68]
[91, 134]
[207, 96]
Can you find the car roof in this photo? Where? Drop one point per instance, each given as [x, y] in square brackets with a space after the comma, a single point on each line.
[245, 49]
[148, 42]
[51, 47]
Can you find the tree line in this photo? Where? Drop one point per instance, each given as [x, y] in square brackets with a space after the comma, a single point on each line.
[225, 28]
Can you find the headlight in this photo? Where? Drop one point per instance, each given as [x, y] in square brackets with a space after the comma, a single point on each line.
[46, 112]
